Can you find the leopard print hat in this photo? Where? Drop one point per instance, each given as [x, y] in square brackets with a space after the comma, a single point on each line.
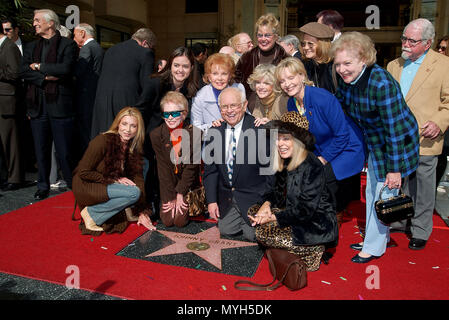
[295, 124]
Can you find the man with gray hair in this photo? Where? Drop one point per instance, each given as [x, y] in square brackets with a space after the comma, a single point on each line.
[232, 180]
[290, 43]
[124, 79]
[423, 76]
[87, 73]
[47, 68]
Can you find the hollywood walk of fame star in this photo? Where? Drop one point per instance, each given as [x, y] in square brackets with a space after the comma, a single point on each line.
[207, 245]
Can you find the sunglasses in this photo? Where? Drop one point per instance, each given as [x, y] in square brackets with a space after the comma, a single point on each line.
[174, 114]
[441, 47]
[7, 29]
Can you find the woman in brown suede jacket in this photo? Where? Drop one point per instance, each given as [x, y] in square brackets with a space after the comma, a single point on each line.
[109, 178]
[172, 142]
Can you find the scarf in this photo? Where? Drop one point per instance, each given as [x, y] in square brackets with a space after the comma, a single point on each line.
[50, 87]
[267, 104]
[176, 140]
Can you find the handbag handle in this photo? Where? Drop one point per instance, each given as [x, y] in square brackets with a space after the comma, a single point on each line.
[382, 189]
[265, 287]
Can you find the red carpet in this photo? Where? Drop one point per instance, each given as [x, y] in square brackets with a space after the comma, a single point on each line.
[41, 242]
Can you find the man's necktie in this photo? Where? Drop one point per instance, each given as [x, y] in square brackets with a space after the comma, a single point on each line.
[231, 155]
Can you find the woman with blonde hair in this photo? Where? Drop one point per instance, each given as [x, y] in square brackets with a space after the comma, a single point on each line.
[267, 30]
[297, 214]
[270, 102]
[339, 142]
[219, 72]
[177, 172]
[109, 177]
[315, 46]
[373, 99]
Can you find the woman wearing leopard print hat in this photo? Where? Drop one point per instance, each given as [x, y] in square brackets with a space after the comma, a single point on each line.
[298, 213]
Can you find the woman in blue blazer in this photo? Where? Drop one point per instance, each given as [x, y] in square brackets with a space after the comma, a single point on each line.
[339, 142]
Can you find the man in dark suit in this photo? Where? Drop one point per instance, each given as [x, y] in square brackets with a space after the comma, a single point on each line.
[87, 73]
[124, 78]
[9, 136]
[235, 171]
[47, 68]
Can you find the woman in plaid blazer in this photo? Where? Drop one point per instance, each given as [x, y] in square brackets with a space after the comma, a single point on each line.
[371, 96]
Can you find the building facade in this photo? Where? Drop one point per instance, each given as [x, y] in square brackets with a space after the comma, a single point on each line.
[184, 22]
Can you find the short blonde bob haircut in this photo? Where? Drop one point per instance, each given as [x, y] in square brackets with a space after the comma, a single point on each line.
[294, 66]
[176, 98]
[295, 160]
[357, 43]
[263, 72]
[269, 20]
[137, 141]
[224, 60]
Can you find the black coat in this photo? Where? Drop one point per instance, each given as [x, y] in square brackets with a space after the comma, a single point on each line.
[306, 206]
[248, 184]
[87, 73]
[63, 69]
[320, 74]
[124, 75]
[9, 76]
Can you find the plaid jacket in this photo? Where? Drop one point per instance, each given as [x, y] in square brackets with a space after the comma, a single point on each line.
[390, 130]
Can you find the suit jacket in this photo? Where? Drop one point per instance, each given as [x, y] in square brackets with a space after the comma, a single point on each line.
[205, 109]
[87, 73]
[9, 74]
[62, 69]
[248, 184]
[124, 75]
[428, 97]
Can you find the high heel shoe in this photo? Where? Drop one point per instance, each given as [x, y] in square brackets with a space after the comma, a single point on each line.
[358, 246]
[359, 259]
[89, 222]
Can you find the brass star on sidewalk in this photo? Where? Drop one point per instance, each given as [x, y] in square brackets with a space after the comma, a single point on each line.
[207, 245]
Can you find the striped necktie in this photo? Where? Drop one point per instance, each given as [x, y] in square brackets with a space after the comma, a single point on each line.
[231, 155]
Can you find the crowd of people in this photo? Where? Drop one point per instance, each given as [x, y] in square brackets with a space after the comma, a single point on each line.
[285, 126]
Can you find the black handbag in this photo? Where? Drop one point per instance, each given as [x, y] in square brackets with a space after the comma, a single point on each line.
[395, 208]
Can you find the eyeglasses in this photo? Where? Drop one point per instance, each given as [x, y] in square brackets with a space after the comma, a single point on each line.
[232, 106]
[266, 35]
[7, 29]
[174, 114]
[412, 42]
[305, 43]
[441, 48]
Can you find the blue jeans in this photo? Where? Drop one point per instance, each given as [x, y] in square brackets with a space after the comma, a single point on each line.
[377, 234]
[120, 197]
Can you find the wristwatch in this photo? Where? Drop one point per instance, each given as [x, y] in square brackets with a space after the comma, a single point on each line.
[36, 66]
